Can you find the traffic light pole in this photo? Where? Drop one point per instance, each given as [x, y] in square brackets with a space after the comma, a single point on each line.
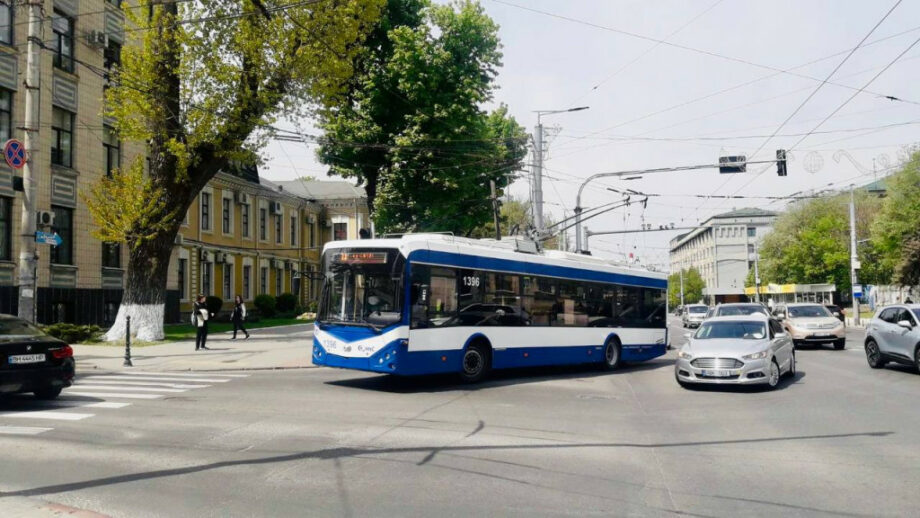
[27, 258]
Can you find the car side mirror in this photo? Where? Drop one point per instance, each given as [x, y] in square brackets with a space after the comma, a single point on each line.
[905, 324]
[782, 335]
[688, 335]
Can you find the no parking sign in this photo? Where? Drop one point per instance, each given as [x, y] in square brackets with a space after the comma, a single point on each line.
[15, 153]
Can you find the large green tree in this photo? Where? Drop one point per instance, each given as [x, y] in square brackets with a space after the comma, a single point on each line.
[693, 287]
[413, 132]
[810, 243]
[896, 232]
[199, 85]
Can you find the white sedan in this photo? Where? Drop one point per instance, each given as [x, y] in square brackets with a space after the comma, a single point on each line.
[736, 350]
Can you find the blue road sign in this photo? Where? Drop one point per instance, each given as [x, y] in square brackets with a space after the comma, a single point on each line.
[15, 153]
[857, 290]
[48, 238]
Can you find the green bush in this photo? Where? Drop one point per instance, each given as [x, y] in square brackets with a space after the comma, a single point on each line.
[266, 305]
[286, 302]
[213, 304]
[311, 306]
[72, 333]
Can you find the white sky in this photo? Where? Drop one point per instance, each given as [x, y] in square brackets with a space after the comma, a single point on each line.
[554, 63]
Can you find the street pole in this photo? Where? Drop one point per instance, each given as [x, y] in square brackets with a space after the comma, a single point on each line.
[27, 258]
[854, 260]
[538, 176]
[681, 287]
[756, 275]
[495, 210]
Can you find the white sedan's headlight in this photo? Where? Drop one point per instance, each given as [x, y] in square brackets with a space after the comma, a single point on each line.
[684, 355]
[756, 356]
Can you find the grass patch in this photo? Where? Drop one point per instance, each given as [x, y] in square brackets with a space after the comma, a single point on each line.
[175, 332]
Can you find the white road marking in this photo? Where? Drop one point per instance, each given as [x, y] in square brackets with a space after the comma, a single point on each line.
[139, 378]
[106, 404]
[22, 430]
[56, 415]
[88, 386]
[185, 375]
[100, 380]
[116, 395]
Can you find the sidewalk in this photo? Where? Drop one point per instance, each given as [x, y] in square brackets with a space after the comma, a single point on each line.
[284, 347]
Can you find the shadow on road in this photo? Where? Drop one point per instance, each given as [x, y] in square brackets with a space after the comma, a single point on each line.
[499, 378]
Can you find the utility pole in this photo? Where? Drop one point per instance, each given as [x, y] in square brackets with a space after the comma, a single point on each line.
[27, 258]
[538, 175]
[495, 212]
[854, 259]
[756, 275]
[681, 287]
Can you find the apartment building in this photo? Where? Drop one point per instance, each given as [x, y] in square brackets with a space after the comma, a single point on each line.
[723, 249]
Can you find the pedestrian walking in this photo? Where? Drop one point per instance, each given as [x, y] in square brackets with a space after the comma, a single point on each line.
[238, 316]
[200, 317]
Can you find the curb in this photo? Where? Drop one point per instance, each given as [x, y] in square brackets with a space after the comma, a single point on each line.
[239, 369]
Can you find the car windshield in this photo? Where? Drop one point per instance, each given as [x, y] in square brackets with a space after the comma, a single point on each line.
[361, 287]
[13, 328]
[734, 330]
[808, 312]
[698, 309]
[727, 311]
[917, 313]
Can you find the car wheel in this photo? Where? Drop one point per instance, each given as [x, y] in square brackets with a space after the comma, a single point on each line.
[840, 344]
[48, 392]
[475, 364]
[791, 372]
[917, 357]
[612, 354]
[874, 355]
[773, 375]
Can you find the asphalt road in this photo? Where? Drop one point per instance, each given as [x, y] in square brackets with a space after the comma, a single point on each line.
[839, 439]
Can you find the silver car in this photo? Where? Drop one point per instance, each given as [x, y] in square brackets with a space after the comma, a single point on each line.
[693, 315]
[893, 335]
[737, 350]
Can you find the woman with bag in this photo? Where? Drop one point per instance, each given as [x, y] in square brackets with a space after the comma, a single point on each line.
[238, 316]
[200, 318]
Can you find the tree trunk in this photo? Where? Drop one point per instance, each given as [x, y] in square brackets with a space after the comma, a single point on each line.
[145, 289]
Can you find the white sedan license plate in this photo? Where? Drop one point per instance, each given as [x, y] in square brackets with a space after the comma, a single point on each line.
[27, 358]
[717, 373]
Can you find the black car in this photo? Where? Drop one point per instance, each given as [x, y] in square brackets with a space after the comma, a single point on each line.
[837, 312]
[31, 361]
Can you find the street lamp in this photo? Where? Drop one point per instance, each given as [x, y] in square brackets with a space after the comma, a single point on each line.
[538, 164]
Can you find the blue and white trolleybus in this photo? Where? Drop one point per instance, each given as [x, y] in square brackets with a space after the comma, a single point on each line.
[428, 303]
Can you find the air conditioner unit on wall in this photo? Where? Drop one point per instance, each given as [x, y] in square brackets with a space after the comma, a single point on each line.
[44, 218]
[97, 39]
[241, 198]
[275, 207]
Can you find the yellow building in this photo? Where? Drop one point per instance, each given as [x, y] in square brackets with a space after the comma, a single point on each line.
[248, 236]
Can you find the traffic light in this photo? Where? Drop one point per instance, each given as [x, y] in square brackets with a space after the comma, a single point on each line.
[781, 162]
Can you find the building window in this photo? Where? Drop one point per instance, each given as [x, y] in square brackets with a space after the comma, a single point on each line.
[6, 114]
[279, 281]
[112, 147]
[62, 42]
[244, 220]
[205, 211]
[63, 226]
[183, 283]
[263, 231]
[225, 215]
[6, 22]
[750, 249]
[278, 232]
[293, 230]
[6, 229]
[206, 271]
[112, 55]
[752, 232]
[61, 137]
[263, 280]
[228, 281]
[111, 255]
[247, 279]
[339, 231]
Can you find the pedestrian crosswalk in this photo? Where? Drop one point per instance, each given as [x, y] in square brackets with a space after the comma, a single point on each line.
[100, 392]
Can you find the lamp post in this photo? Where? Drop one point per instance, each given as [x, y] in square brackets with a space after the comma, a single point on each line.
[538, 164]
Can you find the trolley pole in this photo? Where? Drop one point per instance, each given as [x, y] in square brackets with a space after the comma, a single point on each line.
[854, 258]
[28, 262]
